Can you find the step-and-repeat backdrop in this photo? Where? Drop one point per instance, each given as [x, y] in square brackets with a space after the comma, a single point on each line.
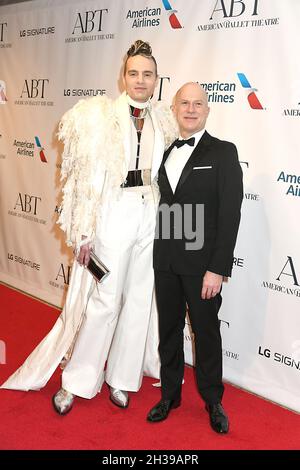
[246, 55]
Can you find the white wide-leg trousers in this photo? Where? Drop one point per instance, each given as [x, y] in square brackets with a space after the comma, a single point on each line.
[116, 321]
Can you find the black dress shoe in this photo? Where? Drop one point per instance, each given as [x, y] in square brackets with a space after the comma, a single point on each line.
[161, 410]
[218, 418]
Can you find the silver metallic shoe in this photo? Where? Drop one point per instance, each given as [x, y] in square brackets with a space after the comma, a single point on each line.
[119, 397]
[63, 363]
[63, 401]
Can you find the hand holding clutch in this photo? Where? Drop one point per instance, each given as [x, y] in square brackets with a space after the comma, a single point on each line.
[97, 269]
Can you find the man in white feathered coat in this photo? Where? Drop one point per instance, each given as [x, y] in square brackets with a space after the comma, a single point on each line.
[112, 153]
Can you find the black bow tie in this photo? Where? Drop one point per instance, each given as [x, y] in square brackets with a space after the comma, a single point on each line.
[179, 143]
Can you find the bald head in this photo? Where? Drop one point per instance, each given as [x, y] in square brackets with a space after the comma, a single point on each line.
[191, 88]
[190, 108]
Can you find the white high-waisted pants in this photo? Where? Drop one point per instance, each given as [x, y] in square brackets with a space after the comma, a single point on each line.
[116, 320]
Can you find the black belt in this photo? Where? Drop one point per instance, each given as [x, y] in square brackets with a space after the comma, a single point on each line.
[137, 178]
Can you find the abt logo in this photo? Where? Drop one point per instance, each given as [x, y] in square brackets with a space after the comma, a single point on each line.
[87, 22]
[27, 203]
[174, 22]
[287, 275]
[3, 27]
[34, 88]
[63, 274]
[251, 95]
[161, 86]
[234, 8]
[289, 270]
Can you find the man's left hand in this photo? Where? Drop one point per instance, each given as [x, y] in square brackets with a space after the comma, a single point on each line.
[211, 285]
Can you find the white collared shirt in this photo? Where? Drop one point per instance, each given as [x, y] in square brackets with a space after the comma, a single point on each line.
[178, 158]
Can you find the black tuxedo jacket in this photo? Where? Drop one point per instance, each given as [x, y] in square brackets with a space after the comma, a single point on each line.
[213, 177]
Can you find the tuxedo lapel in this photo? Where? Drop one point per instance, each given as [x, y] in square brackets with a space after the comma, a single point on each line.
[163, 174]
[166, 154]
[197, 154]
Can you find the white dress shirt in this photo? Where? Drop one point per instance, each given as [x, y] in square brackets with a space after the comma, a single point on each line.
[178, 158]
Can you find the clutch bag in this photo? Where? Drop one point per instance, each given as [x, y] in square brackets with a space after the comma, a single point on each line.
[97, 269]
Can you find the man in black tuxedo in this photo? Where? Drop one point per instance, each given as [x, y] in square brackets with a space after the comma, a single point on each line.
[200, 182]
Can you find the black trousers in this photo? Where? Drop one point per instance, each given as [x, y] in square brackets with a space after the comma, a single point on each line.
[173, 292]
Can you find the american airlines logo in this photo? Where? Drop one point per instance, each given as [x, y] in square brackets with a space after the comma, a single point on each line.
[251, 95]
[174, 22]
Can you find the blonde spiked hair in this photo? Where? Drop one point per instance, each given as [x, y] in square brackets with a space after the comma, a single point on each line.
[140, 47]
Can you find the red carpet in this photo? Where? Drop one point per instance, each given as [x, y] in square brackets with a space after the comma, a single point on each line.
[29, 422]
